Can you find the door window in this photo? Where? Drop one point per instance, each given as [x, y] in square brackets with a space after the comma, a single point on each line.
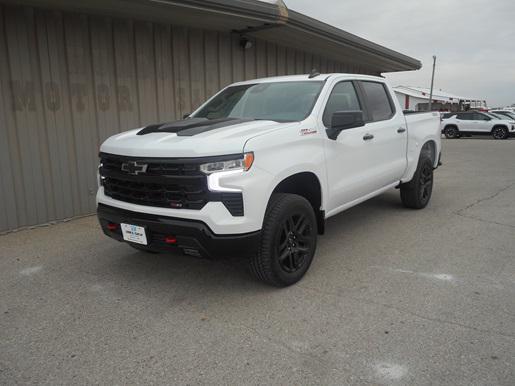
[465, 117]
[378, 102]
[342, 98]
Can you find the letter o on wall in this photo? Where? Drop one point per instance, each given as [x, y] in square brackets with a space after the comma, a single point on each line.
[52, 96]
[103, 97]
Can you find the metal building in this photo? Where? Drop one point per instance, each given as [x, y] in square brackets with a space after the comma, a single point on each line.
[75, 72]
[417, 99]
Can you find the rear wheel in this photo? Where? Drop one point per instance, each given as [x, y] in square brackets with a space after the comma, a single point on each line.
[288, 241]
[452, 132]
[417, 193]
[500, 132]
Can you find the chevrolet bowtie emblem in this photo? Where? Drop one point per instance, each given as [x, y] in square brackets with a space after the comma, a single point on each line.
[133, 167]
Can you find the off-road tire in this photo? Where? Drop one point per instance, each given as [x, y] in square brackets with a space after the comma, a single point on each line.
[288, 241]
[417, 193]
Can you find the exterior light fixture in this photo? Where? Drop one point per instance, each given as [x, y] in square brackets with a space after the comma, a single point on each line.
[245, 43]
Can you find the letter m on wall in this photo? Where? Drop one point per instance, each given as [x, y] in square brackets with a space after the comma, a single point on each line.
[23, 95]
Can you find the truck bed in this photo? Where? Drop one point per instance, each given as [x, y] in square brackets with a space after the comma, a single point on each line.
[421, 127]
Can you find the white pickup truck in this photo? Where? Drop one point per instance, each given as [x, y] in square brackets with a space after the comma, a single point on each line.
[257, 169]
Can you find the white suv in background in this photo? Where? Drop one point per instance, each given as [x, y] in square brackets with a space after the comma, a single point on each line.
[467, 123]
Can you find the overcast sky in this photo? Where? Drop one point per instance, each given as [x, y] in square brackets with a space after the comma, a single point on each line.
[473, 40]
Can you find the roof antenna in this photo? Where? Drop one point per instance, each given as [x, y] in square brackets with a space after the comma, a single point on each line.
[314, 73]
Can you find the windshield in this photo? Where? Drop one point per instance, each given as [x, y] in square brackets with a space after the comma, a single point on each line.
[277, 101]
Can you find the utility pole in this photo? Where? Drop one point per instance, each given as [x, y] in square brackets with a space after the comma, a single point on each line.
[432, 83]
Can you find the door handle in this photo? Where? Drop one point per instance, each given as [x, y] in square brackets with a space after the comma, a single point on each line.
[401, 130]
[368, 137]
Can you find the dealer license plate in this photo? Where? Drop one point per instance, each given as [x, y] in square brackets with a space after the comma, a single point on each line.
[134, 234]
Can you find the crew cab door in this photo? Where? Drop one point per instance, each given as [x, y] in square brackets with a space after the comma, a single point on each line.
[364, 159]
[388, 126]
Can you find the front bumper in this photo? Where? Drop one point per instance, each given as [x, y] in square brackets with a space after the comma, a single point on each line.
[255, 185]
[193, 237]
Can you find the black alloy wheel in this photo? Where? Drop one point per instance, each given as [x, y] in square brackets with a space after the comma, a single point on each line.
[288, 241]
[295, 243]
[500, 132]
[451, 132]
[416, 193]
[425, 183]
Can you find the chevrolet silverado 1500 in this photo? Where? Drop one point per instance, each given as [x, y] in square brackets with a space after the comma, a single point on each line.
[258, 168]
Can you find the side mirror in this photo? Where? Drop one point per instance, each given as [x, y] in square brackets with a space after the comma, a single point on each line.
[343, 120]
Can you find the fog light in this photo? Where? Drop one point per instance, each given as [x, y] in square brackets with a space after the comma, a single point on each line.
[112, 226]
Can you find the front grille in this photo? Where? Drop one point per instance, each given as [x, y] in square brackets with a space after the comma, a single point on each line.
[153, 194]
[162, 182]
[157, 167]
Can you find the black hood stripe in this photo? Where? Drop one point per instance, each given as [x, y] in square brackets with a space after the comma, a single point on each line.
[191, 126]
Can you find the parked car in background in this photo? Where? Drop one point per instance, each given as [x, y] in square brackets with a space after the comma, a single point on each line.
[468, 123]
[506, 113]
[501, 117]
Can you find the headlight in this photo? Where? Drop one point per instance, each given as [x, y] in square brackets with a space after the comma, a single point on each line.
[243, 163]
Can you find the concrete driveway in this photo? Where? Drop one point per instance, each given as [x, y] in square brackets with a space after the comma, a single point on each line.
[394, 296]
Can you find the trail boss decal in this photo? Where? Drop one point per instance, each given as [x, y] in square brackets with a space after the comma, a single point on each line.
[307, 131]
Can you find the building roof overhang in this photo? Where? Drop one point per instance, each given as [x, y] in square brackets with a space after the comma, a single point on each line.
[272, 22]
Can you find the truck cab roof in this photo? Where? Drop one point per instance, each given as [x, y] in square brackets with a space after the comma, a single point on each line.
[306, 77]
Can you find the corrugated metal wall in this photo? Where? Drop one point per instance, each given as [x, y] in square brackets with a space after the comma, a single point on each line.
[68, 81]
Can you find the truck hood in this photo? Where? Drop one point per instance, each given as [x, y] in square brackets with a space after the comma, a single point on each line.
[190, 138]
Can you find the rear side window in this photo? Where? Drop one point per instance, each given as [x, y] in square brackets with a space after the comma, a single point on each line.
[465, 116]
[378, 102]
[480, 117]
[342, 98]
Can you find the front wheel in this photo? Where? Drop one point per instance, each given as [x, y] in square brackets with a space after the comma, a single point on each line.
[500, 132]
[451, 132]
[288, 241]
[417, 193]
